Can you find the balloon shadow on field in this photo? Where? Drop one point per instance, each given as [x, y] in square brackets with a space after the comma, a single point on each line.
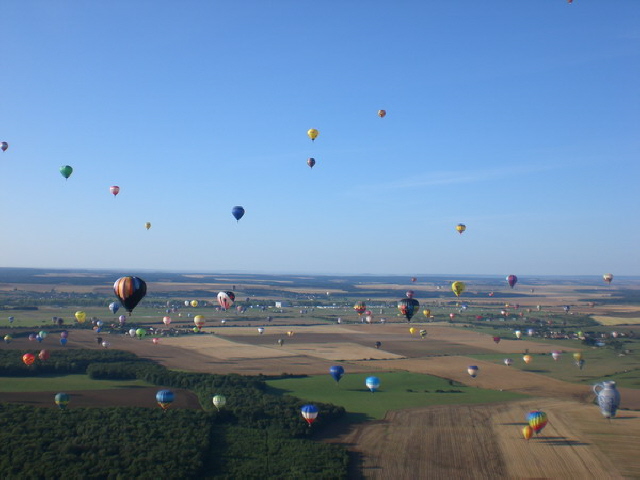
[560, 441]
[537, 371]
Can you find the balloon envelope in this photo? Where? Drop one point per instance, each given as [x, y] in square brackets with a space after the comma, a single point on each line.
[309, 413]
[537, 420]
[512, 280]
[66, 171]
[313, 133]
[336, 372]
[164, 398]
[219, 401]
[408, 307]
[114, 190]
[372, 383]
[28, 358]
[81, 316]
[147, 225]
[114, 307]
[472, 370]
[226, 299]
[508, 362]
[461, 227]
[527, 432]
[61, 400]
[607, 277]
[311, 162]
[382, 113]
[4, 146]
[458, 288]
[130, 290]
[237, 212]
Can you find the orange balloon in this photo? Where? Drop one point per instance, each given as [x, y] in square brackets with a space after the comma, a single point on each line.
[28, 358]
[527, 432]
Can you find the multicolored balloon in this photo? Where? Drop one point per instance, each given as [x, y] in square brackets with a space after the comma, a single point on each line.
[130, 290]
[382, 113]
[226, 299]
[309, 413]
[408, 307]
[4, 146]
[165, 398]
[608, 277]
[537, 420]
[512, 280]
[472, 370]
[311, 162]
[114, 189]
[147, 225]
[461, 227]
[62, 400]
[360, 307]
[28, 358]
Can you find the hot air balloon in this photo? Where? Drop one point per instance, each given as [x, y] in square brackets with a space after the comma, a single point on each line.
[382, 113]
[313, 133]
[566, 308]
[61, 400]
[44, 355]
[309, 413]
[527, 432]
[311, 162]
[11, 319]
[472, 370]
[512, 280]
[140, 333]
[378, 344]
[426, 312]
[496, 339]
[461, 227]
[408, 307]
[410, 293]
[508, 362]
[423, 334]
[114, 190]
[130, 290]
[155, 341]
[607, 277]
[66, 171]
[608, 398]
[527, 359]
[414, 279]
[280, 341]
[114, 307]
[106, 344]
[458, 288]
[63, 341]
[4, 146]
[360, 308]
[193, 303]
[8, 338]
[166, 320]
[518, 334]
[412, 330]
[336, 371]
[372, 383]
[147, 225]
[81, 316]
[290, 333]
[226, 299]
[537, 420]
[237, 212]
[28, 358]
[260, 330]
[199, 321]
[452, 316]
[164, 398]
[556, 355]
[32, 337]
[122, 319]
[219, 401]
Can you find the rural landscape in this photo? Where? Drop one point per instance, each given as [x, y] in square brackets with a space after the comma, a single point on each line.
[455, 378]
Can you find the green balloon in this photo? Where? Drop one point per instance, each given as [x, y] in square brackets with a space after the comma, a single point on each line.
[141, 332]
[66, 171]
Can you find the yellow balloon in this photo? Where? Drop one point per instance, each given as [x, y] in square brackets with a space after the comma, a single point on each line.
[412, 330]
[194, 303]
[313, 133]
[527, 432]
[81, 316]
[577, 356]
[426, 312]
[527, 358]
[458, 288]
[461, 227]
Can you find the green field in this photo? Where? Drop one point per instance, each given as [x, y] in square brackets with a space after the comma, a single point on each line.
[46, 383]
[398, 390]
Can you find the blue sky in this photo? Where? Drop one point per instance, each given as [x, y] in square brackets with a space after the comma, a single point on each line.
[518, 118]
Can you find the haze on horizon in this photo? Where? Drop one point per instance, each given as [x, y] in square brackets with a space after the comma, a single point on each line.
[517, 119]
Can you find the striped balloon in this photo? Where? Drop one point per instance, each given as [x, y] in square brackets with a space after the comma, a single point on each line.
[130, 290]
[61, 399]
[537, 420]
[309, 413]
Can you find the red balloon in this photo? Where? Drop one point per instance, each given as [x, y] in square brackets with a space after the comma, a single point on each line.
[28, 358]
[44, 355]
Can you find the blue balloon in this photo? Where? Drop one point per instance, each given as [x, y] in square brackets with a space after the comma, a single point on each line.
[114, 307]
[372, 383]
[63, 341]
[337, 371]
[164, 398]
[237, 212]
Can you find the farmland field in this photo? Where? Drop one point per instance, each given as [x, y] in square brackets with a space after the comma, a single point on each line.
[471, 433]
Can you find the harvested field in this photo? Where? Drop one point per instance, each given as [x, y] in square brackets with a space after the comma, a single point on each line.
[485, 441]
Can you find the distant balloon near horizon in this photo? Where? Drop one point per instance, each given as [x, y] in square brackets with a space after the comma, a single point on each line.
[66, 171]
[512, 280]
[311, 162]
[4, 146]
[312, 133]
[458, 288]
[115, 190]
[237, 212]
[382, 113]
[461, 227]
[608, 277]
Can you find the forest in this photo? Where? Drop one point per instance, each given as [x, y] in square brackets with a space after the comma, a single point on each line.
[256, 435]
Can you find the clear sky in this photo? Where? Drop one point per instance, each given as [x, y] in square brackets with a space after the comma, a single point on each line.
[518, 118]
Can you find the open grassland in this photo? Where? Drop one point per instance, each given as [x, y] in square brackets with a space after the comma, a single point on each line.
[398, 390]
